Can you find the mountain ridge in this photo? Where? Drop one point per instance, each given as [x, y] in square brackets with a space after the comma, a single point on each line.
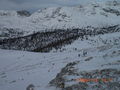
[93, 14]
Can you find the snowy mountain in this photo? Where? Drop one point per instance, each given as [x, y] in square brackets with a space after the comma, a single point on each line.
[79, 16]
[94, 14]
[62, 48]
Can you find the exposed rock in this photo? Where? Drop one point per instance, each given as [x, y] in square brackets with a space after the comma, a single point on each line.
[23, 13]
[70, 70]
[30, 87]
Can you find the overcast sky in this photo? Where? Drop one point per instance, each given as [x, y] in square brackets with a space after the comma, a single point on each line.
[36, 4]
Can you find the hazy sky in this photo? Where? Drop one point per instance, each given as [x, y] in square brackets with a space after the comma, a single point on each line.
[36, 4]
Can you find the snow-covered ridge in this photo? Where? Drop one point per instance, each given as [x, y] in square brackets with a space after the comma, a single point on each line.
[65, 17]
[94, 14]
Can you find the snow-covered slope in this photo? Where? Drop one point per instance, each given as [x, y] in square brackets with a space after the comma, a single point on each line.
[94, 14]
[19, 69]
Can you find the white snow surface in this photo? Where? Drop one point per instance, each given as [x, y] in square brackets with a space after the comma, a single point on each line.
[18, 69]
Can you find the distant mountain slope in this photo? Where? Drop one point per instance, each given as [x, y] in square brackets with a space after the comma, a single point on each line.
[94, 14]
